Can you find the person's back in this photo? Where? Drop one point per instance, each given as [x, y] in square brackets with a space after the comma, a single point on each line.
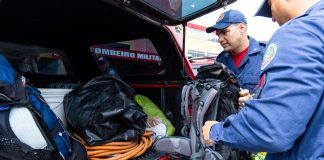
[242, 54]
[304, 66]
[287, 118]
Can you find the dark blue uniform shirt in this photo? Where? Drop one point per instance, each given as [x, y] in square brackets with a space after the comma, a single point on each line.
[249, 69]
[287, 120]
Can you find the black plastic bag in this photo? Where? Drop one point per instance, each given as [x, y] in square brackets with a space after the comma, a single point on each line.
[102, 111]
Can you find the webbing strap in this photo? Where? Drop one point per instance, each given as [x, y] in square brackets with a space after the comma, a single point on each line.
[212, 155]
[189, 89]
[193, 93]
[184, 102]
[207, 97]
[200, 102]
[207, 154]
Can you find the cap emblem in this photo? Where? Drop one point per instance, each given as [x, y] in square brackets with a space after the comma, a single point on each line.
[220, 17]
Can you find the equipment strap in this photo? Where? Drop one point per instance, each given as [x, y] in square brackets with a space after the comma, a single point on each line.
[207, 97]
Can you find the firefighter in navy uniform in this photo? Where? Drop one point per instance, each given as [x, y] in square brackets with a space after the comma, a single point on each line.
[286, 119]
[105, 67]
[242, 54]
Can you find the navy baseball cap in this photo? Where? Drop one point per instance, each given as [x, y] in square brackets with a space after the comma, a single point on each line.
[227, 18]
[264, 10]
[103, 60]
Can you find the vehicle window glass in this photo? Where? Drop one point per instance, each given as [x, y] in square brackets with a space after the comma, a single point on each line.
[198, 62]
[179, 9]
[36, 59]
[131, 58]
[193, 53]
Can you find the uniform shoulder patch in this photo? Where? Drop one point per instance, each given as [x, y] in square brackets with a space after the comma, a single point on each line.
[270, 53]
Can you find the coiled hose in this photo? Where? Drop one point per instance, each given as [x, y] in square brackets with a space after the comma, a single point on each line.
[119, 150]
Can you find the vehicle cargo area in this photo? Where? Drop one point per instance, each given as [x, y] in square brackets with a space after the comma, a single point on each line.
[57, 45]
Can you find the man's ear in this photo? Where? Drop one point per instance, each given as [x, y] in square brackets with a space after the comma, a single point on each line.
[242, 27]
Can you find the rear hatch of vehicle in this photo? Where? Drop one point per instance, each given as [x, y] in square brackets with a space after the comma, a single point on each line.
[56, 43]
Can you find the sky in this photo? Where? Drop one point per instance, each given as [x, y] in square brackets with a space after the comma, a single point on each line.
[260, 28]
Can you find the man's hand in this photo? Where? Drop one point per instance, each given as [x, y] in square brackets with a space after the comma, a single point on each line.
[205, 132]
[244, 96]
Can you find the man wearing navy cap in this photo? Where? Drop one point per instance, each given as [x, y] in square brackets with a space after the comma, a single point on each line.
[286, 120]
[105, 67]
[242, 54]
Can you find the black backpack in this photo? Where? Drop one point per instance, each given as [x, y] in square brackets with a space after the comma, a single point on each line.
[213, 95]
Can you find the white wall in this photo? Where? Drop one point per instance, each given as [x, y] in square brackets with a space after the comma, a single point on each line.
[260, 28]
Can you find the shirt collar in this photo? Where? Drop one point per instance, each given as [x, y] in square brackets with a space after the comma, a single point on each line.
[254, 46]
[317, 6]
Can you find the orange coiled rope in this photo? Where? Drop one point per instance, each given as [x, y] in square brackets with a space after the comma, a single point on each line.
[119, 150]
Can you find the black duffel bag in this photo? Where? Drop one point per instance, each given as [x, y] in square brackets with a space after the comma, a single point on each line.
[102, 111]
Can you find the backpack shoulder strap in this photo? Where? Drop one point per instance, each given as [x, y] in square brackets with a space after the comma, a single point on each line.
[208, 96]
[188, 96]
